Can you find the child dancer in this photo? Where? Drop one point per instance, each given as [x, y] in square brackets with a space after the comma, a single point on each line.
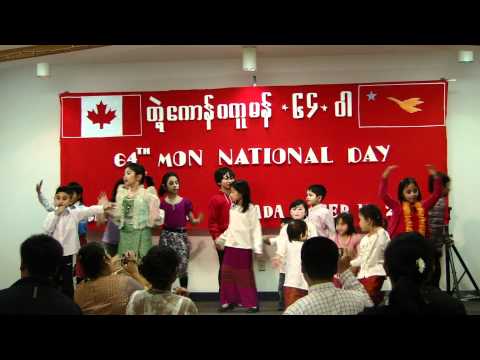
[111, 235]
[409, 213]
[438, 219]
[295, 286]
[371, 252]
[219, 209]
[242, 237]
[298, 211]
[174, 233]
[138, 211]
[269, 240]
[346, 239]
[319, 215]
[62, 224]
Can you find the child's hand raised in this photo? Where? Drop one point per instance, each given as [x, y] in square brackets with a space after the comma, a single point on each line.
[39, 187]
[431, 169]
[388, 170]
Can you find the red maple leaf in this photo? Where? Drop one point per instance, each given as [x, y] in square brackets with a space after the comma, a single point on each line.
[101, 117]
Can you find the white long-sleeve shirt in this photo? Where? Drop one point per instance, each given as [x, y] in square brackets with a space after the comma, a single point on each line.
[64, 227]
[371, 254]
[321, 217]
[282, 240]
[244, 230]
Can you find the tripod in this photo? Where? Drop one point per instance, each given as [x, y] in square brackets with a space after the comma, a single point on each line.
[450, 251]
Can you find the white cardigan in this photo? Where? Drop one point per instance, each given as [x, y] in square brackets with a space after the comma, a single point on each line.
[371, 253]
[244, 230]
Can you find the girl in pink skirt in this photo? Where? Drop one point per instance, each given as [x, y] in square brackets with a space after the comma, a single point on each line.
[242, 238]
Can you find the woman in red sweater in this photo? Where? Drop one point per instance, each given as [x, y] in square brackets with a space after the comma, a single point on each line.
[409, 213]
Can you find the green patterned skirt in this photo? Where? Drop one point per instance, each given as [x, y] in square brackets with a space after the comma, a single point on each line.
[138, 240]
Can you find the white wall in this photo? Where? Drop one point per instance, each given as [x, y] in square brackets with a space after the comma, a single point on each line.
[29, 128]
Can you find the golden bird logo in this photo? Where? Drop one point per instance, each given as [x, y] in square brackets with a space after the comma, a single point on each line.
[408, 105]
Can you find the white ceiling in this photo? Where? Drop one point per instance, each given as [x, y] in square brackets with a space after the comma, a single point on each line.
[159, 53]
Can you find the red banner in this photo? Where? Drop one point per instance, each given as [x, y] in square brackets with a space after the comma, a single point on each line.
[281, 139]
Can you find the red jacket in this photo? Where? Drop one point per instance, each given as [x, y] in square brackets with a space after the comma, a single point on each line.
[396, 224]
[218, 214]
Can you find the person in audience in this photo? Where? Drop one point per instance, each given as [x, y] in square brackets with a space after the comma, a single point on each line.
[35, 293]
[160, 267]
[104, 291]
[320, 262]
[409, 262]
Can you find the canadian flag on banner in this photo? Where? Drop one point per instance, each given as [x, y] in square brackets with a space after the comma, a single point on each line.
[402, 104]
[101, 116]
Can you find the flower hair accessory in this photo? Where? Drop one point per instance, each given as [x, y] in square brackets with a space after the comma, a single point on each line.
[420, 265]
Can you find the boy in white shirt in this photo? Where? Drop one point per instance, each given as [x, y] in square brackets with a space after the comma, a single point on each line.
[62, 225]
[319, 215]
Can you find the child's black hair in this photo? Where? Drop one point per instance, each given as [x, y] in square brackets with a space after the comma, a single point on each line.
[299, 202]
[431, 181]
[159, 266]
[295, 229]
[242, 187]
[148, 181]
[319, 258]
[318, 190]
[137, 169]
[65, 189]
[346, 218]
[409, 264]
[162, 190]
[78, 189]
[373, 213]
[403, 184]
[221, 172]
[286, 220]
[115, 189]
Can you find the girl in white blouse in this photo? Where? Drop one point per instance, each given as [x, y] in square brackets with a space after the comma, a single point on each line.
[242, 238]
[371, 252]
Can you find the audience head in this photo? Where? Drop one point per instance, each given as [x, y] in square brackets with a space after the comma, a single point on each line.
[409, 264]
[41, 256]
[94, 260]
[159, 266]
[319, 259]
